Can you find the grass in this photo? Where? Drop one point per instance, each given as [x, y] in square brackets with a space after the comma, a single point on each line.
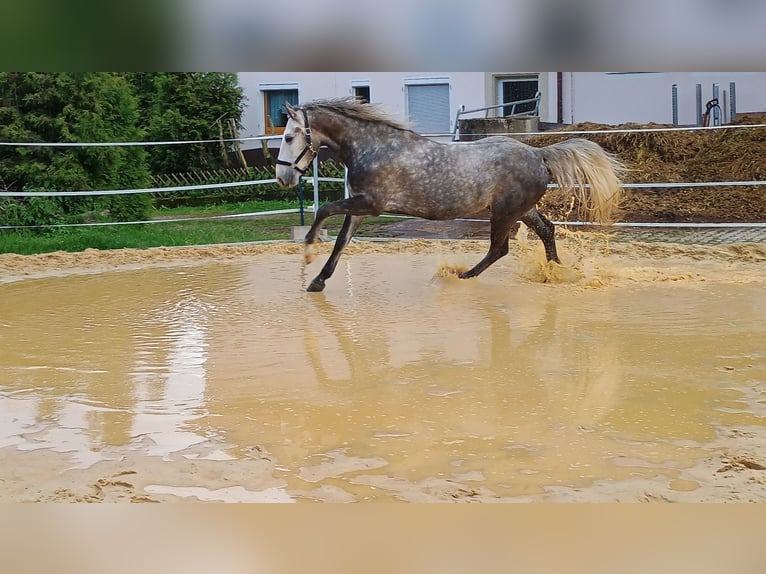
[176, 233]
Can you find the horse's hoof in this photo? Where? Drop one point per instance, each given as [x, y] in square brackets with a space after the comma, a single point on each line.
[316, 286]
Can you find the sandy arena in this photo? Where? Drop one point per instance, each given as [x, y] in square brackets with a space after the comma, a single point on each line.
[634, 372]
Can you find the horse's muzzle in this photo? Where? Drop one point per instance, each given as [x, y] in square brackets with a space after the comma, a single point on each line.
[286, 177]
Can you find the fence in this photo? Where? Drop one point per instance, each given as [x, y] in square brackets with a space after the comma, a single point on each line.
[316, 179]
[330, 173]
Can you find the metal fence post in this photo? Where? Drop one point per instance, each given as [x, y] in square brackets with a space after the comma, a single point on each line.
[346, 190]
[316, 185]
[674, 100]
[699, 105]
[300, 198]
[716, 120]
[732, 102]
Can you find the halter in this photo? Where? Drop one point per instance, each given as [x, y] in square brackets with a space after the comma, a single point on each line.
[308, 147]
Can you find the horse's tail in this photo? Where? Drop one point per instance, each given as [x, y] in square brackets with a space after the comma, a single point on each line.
[581, 165]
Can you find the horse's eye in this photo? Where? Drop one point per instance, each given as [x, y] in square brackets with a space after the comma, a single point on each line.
[288, 138]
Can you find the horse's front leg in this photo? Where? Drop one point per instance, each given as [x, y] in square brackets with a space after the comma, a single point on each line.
[356, 205]
[350, 226]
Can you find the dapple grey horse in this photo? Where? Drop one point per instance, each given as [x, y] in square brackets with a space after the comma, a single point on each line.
[392, 169]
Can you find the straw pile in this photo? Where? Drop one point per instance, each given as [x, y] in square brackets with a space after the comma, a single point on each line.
[683, 156]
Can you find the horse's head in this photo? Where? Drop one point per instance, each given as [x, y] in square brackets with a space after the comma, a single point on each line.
[297, 150]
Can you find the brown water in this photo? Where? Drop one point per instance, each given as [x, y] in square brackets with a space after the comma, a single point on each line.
[224, 380]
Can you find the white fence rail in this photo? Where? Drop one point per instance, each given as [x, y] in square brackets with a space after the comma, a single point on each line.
[316, 179]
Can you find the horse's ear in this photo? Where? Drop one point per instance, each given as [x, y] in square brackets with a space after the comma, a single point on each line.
[291, 111]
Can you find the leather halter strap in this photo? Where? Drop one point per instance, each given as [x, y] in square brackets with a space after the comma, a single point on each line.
[309, 147]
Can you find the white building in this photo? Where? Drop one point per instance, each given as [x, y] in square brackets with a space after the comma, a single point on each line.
[431, 100]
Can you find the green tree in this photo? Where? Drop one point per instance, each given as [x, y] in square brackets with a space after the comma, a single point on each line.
[188, 106]
[70, 107]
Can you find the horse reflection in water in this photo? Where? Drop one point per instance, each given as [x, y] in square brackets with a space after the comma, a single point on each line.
[408, 367]
[391, 169]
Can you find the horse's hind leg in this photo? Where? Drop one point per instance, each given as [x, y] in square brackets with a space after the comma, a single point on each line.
[500, 230]
[545, 231]
[350, 226]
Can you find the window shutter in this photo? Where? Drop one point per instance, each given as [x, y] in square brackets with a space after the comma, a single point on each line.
[428, 108]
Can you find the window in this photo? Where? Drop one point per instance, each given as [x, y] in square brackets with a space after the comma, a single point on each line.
[428, 107]
[514, 89]
[362, 92]
[274, 110]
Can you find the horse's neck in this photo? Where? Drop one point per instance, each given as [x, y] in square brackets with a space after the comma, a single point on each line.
[352, 138]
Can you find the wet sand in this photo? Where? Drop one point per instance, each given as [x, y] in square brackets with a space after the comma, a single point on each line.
[634, 372]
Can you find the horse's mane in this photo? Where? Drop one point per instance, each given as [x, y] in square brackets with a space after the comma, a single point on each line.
[352, 107]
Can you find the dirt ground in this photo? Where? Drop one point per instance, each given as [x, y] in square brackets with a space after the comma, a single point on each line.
[734, 471]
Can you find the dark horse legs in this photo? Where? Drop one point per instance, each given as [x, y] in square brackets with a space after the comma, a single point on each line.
[500, 229]
[499, 232]
[544, 230]
[355, 208]
[350, 225]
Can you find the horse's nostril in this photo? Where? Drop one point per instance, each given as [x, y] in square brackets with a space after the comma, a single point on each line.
[281, 182]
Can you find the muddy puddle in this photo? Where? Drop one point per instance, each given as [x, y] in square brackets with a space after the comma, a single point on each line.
[635, 373]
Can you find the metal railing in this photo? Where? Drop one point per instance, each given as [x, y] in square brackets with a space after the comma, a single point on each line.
[534, 112]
